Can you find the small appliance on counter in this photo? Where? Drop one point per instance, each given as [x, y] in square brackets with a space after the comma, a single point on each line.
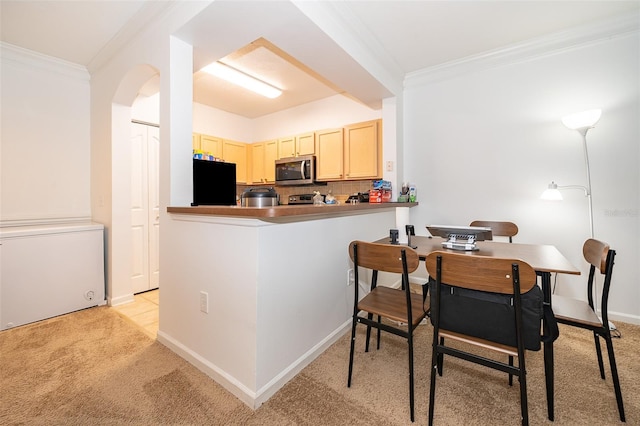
[360, 197]
[302, 199]
[259, 197]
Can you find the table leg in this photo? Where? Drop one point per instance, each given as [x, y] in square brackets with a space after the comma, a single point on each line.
[548, 348]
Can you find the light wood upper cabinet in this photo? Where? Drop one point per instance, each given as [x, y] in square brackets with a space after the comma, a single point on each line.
[294, 146]
[211, 145]
[195, 143]
[362, 150]
[306, 144]
[287, 147]
[262, 161]
[236, 152]
[330, 154]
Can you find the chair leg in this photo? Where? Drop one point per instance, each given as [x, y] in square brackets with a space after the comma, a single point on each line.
[432, 388]
[510, 375]
[366, 347]
[524, 408]
[614, 374]
[411, 395]
[379, 321]
[596, 338]
[353, 343]
[440, 358]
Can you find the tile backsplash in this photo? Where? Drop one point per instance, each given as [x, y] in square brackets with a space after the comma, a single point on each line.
[336, 188]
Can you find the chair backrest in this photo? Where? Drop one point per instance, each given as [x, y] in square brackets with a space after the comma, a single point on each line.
[481, 273]
[482, 298]
[383, 257]
[599, 256]
[498, 228]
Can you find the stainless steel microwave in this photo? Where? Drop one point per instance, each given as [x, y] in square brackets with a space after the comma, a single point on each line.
[296, 170]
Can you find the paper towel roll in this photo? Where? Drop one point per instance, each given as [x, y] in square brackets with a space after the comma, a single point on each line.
[402, 219]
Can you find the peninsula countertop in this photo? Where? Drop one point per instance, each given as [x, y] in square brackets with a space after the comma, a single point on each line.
[287, 211]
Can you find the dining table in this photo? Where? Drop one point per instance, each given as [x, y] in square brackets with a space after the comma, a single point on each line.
[544, 259]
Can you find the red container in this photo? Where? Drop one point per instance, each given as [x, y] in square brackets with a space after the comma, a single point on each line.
[379, 196]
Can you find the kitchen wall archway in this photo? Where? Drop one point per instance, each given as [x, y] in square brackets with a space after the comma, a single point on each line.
[134, 86]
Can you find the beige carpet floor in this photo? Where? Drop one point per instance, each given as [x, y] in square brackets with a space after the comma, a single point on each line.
[94, 367]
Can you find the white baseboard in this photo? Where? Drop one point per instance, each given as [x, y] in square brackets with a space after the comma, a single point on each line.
[253, 399]
[121, 300]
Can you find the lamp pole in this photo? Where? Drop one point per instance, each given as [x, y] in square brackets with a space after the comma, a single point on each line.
[583, 133]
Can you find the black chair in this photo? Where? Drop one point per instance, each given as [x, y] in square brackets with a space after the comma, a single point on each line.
[471, 281]
[581, 314]
[404, 308]
[498, 228]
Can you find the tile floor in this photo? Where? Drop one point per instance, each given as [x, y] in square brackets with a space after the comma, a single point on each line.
[143, 311]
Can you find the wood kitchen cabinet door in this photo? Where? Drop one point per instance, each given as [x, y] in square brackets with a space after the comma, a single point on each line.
[211, 145]
[287, 147]
[306, 144]
[263, 157]
[236, 152]
[362, 147]
[330, 154]
[256, 162]
[195, 142]
[270, 157]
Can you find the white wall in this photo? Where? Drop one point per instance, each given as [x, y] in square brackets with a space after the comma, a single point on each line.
[44, 142]
[335, 111]
[485, 145]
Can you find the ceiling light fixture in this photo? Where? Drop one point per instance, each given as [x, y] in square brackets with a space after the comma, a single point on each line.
[239, 78]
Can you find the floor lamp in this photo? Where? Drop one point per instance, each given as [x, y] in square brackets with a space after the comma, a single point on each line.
[582, 122]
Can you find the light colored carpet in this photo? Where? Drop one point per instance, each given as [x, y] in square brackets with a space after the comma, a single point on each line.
[94, 367]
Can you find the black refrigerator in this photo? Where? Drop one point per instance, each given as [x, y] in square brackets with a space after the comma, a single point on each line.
[214, 183]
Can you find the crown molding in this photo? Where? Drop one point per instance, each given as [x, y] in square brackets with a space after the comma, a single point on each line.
[543, 46]
[31, 59]
[152, 13]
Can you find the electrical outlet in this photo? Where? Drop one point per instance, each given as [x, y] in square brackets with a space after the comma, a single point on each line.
[389, 166]
[204, 302]
[350, 277]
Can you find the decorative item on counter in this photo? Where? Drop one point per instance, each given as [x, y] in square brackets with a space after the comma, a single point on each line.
[317, 198]
[404, 193]
[412, 193]
[330, 199]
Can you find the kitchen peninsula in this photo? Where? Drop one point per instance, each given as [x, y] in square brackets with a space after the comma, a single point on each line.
[263, 290]
[302, 211]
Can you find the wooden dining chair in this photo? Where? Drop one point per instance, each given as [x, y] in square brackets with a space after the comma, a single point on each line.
[582, 314]
[498, 228]
[460, 283]
[403, 307]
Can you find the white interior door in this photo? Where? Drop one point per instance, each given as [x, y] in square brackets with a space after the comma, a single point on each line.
[153, 166]
[144, 207]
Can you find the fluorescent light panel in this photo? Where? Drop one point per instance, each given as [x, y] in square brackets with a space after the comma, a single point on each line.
[239, 78]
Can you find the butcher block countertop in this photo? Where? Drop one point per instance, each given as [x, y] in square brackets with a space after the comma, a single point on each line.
[287, 211]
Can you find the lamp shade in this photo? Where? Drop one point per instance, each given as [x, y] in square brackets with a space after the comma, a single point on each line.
[552, 193]
[582, 120]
